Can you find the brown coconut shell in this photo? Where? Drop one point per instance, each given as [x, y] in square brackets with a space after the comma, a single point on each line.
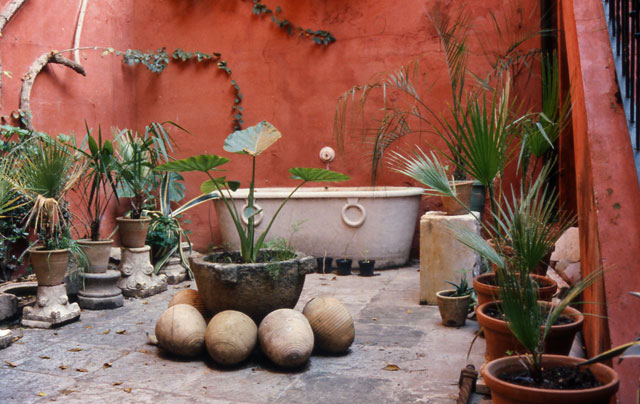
[192, 298]
[181, 329]
[286, 338]
[230, 337]
[331, 323]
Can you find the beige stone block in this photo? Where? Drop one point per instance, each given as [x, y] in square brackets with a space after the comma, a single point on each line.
[568, 246]
[442, 257]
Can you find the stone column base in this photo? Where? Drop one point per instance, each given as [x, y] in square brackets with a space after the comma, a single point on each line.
[101, 291]
[442, 257]
[52, 308]
[174, 271]
[138, 279]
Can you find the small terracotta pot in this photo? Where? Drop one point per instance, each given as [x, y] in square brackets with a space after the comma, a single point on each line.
[133, 232]
[487, 291]
[507, 393]
[463, 192]
[97, 253]
[500, 340]
[50, 266]
[453, 310]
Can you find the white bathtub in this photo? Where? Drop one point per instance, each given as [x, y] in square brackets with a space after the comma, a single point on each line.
[365, 222]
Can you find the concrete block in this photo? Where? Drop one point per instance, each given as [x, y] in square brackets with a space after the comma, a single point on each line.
[568, 246]
[8, 306]
[442, 257]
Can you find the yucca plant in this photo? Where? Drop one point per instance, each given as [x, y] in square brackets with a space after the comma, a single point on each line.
[48, 169]
[250, 142]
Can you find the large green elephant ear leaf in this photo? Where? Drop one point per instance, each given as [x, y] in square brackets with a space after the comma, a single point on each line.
[202, 162]
[210, 186]
[253, 140]
[317, 175]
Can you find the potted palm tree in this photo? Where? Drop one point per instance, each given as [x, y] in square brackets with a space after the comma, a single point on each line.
[253, 280]
[96, 189]
[47, 171]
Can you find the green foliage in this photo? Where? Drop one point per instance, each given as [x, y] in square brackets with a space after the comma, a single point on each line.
[251, 141]
[310, 174]
[319, 37]
[462, 288]
[154, 61]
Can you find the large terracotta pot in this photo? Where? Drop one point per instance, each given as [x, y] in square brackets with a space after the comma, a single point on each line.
[463, 192]
[487, 291]
[507, 393]
[500, 340]
[453, 309]
[50, 266]
[133, 232]
[97, 253]
[252, 289]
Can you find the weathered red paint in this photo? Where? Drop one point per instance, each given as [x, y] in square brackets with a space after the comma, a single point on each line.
[284, 79]
[606, 186]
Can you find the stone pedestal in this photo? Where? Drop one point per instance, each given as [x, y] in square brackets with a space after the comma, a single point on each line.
[174, 271]
[52, 308]
[138, 279]
[442, 257]
[101, 291]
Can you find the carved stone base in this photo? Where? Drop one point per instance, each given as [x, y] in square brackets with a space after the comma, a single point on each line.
[101, 291]
[52, 308]
[174, 271]
[138, 279]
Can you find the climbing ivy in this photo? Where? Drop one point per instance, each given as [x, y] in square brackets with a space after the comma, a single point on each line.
[319, 37]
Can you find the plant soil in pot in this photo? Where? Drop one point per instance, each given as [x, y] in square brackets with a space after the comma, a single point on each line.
[324, 264]
[500, 340]
[503, 392]
[255, 289]
[97, 253]
[453, 309]
[463, 192]
[366, 267]
[133, 232]
[344, 266]
[50, 266]
[487, 290]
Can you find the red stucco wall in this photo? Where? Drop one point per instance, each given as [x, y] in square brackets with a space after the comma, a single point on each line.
[284, 79]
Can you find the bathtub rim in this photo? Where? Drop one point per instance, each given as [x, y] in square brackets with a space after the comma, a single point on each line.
[330, 192]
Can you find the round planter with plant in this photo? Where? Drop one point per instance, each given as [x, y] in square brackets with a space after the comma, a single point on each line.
[454, 304]
[230, 268]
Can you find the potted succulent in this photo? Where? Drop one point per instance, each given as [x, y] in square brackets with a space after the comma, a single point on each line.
[246, 280]
[96, 189]
[137, 155]
[454, 304]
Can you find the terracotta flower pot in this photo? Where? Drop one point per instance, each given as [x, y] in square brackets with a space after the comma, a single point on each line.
[487, 291]
[50, 266]
[500, 340]
[133, 232]
[453, 309]
[252, 289]
[507, 393]
[97, 253]
[463, 192]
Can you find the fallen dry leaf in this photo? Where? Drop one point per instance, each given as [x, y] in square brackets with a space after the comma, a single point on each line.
[107, 365]
[117, 383]
[15, 339]
[44, 357]
[89, 326]
[13, 365]
[334, 278]
[145, 302]
[374, 319]
[81, 370]
[66, 392]
[75, 350]
[144, 351]
[391, 367]
[121, 332]
[42, 394]
[105, 332]
[127, 389]
[409, 311]
[152, 339]
[63, 367]
[140, 322]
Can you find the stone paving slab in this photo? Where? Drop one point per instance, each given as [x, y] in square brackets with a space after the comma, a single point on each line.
[106, 357]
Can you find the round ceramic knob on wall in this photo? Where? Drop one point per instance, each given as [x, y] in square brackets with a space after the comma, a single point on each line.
[327, 154]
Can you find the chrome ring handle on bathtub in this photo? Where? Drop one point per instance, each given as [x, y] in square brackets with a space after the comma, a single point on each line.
[257, 218]
[353, 203]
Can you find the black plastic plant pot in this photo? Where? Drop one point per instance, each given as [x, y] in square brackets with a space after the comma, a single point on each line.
[324, 264]
[344, 266]
[478, 195]
[366, 267]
